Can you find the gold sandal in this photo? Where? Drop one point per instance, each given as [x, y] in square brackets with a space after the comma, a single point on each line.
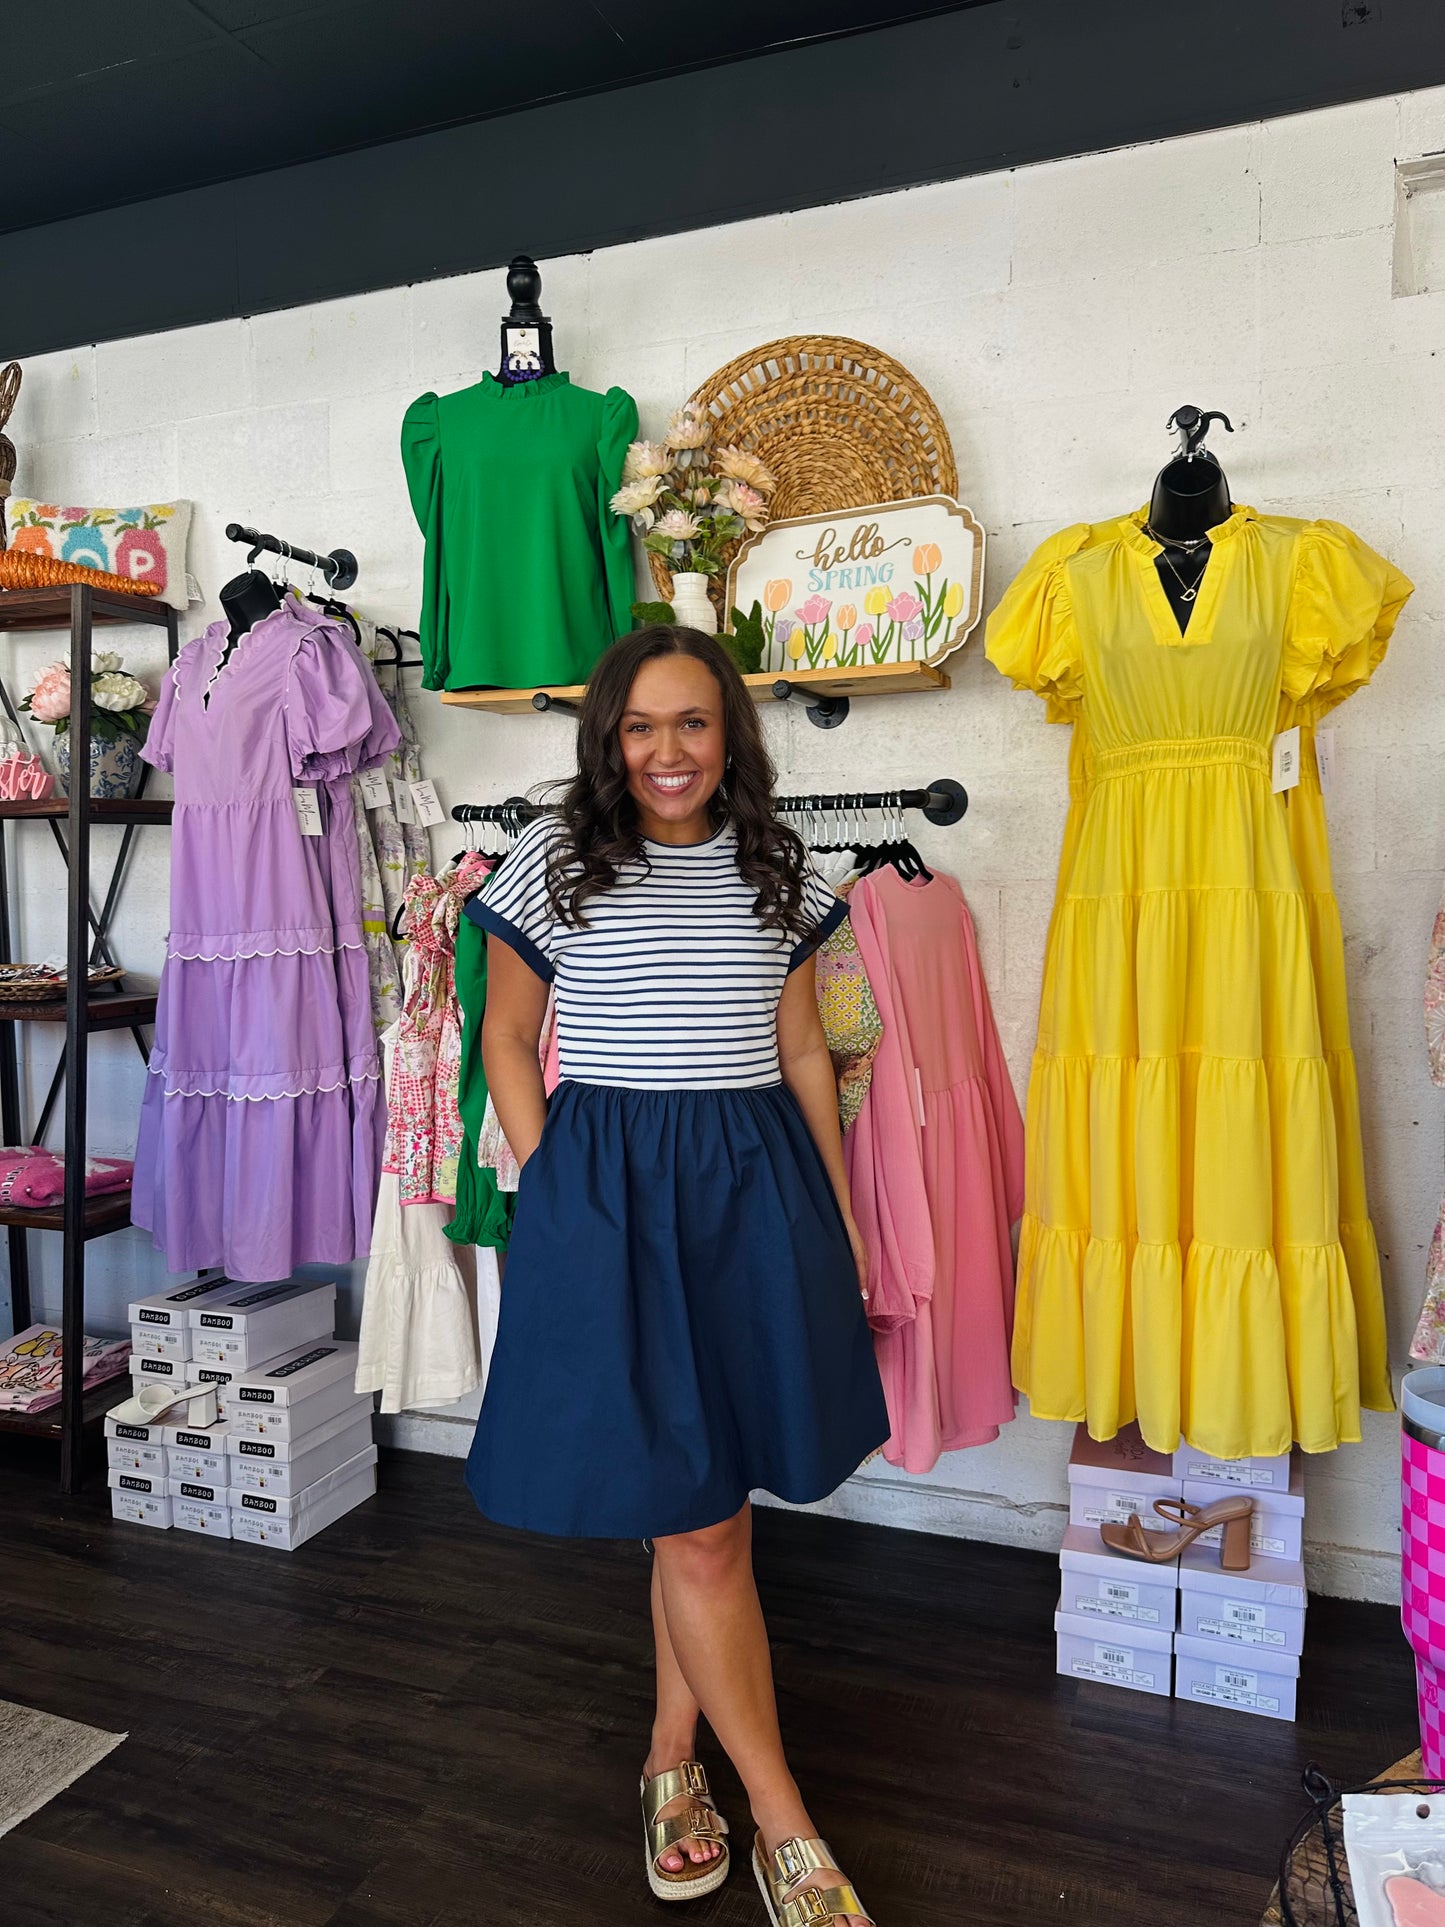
[792, 1906]
[699, 1820]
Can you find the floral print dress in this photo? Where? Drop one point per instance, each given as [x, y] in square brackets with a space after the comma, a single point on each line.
[424, 1122]
[392, 852]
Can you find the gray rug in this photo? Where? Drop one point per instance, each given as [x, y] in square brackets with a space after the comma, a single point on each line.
[40, 1756]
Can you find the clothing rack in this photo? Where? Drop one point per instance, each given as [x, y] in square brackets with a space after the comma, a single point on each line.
[339, 566]
[944, 801]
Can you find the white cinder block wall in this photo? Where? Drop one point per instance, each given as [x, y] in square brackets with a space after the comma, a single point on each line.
[1057, 315]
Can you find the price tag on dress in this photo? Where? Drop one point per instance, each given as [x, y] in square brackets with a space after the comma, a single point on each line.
[375, 793]
[1286, 760]
[401, 799]
[1325, 759]
[428, 810]
[308, 810]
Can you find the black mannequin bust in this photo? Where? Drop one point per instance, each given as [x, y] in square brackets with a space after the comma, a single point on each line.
[526, 331]
[246, 600]
[1190, 497]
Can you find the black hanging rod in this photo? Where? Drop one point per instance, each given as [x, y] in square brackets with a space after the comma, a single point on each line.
[339, 566]
[943, 802]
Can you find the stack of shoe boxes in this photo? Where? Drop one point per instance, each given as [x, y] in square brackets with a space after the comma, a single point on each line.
[1241, 1633]
[1116, 1616]
[299, 1445]
[291, 1449]
[1215, 1637]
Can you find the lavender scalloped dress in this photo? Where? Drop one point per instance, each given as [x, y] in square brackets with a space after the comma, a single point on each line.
[263, 1119]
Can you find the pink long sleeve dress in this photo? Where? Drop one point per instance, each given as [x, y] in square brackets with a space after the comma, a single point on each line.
[936, 1164]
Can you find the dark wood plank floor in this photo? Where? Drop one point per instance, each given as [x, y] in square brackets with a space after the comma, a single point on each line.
[420, 1721]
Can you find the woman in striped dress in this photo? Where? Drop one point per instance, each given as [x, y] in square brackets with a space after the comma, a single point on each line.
[682, 1318]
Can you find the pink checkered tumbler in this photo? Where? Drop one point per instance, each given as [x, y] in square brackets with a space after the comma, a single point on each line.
[1422, 1552]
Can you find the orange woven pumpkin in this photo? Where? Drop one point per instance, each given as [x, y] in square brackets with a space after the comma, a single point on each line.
[20, 570]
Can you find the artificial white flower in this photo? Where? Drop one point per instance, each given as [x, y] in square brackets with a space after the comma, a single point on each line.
[117, 692]
[743, 466]
[677, 525]
[746, 502]
[687, 430]
[633, 498]
[104, 662]
[644, 460]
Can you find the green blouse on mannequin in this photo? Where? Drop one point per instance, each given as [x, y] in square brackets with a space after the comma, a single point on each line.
[528, 573]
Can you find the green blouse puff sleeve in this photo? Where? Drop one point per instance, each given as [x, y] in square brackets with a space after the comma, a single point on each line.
[484, 1214]
[619, 427]
[421, 456]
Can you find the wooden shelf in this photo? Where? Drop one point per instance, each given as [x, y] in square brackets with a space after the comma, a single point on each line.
[46, 1424]
[120, 809]
[114, 1012]
[107, 1211]
[872, 679]
[50, 608]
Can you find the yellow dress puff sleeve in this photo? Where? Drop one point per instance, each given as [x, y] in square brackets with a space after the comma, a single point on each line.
[1343, 610]
[1031, 637]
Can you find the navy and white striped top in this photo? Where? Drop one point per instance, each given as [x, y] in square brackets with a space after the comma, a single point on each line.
[672, 984]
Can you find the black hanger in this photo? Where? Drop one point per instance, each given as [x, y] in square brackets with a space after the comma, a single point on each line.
[396, 660]
[338, 611]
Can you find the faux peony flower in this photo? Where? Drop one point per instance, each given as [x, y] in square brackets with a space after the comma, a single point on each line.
[687, 429]
[742, 466]
[815, 609]
[117, 692]
[746, 502]
[103, 662]
[50, 698]
[904, 607]
[644, 460]
[635, 498]
[677, 525]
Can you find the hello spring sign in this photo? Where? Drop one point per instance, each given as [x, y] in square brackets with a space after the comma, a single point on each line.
[893, 582]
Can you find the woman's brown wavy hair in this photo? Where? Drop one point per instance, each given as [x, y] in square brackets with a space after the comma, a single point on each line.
[599, 817]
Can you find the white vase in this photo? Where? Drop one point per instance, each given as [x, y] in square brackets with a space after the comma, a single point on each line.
[690, 604]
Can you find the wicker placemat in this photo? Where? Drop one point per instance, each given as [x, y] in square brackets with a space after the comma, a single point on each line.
[1309, 1860]
[840, 424]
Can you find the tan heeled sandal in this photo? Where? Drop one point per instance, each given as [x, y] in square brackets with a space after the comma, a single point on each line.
[698, 1820]
[1159, 1548]
[790, 1905]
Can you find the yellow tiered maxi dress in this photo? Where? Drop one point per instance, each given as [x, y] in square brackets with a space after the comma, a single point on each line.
[1193, 1121]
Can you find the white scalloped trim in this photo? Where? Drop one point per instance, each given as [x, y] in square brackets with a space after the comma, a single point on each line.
[246, 956]
[276, 1097]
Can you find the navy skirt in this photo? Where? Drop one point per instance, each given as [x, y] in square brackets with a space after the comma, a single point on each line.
[681, 1322]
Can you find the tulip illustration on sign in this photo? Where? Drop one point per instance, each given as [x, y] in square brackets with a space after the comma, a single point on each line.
[813, 614]
[777, 594]
[894, 582]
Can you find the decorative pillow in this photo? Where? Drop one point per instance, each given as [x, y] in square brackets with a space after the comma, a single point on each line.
[144, 544]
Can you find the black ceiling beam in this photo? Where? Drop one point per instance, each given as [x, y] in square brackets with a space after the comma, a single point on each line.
[935, 99]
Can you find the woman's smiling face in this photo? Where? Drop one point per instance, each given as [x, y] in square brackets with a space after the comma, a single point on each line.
[673, 745]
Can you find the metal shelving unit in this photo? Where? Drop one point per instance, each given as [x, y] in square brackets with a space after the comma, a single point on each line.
[78, 1219]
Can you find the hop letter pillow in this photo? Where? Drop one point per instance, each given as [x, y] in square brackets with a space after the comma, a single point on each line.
[143, 545]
